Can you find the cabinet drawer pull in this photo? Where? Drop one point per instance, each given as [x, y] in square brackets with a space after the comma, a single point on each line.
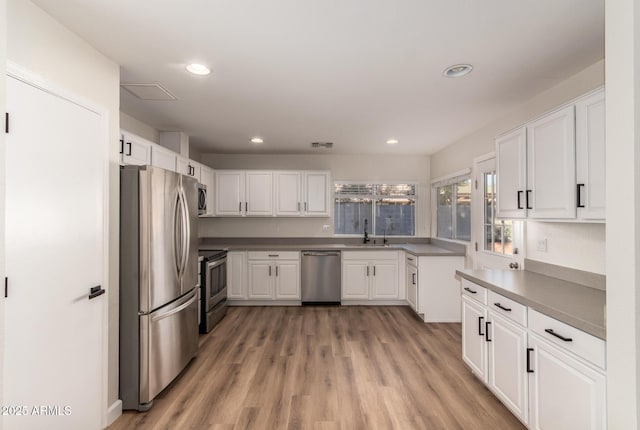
[409, 258]
[578, 188]
[486, 331]
[498, 305]
[553, 333]
[413, 276]
[470, 290]
[529, 351]
[274, 255]
[480, 326]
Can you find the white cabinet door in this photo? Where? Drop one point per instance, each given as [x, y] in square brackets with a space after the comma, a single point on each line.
[260, 277]
[135, 150]
[236, 276]
[511, 159]
[188, 167]
[287, 278]
[551, 166]
[474, 350]
[355, 279]
[229, 193]
[288, 193]
[590, 156]
[384, 280]
[508, 378]
[317, 191]
[412, 287]
[259, 193]
[206, 178]
[564, 392]
[163, 157]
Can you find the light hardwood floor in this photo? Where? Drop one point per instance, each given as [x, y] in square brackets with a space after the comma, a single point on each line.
[348, 367]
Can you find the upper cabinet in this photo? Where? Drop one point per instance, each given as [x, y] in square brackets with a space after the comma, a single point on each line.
[188, 167]
[272, 193]
[134, 150]
[164, 158]
[553, 168]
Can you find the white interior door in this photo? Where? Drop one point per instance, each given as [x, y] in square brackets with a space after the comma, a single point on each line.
[54, 338]
[497, 242]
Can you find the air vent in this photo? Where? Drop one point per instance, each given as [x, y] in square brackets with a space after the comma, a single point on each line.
[149, 91]
[327, 145]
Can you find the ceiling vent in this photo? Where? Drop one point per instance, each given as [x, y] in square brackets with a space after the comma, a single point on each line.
[151, 91]
[327, 145]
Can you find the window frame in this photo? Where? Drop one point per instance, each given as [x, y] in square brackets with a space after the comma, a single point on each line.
[374, 197]
[452, 179]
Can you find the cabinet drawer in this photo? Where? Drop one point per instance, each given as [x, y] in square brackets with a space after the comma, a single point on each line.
[369, 255]
[474, 291]
[515, 311]
[582, 344]
[273, 255]
[411, 260]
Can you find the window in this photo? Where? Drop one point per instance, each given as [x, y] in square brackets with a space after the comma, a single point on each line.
[498, 234]
[453, 210]
[386, 209]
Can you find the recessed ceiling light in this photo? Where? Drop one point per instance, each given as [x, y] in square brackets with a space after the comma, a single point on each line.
[198, 69]
[392, 141]
[457, 70]
[256, 140]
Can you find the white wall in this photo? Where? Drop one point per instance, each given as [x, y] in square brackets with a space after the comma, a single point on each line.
[3, 57]
[623, 212]
[342, 167]
[135, 126]
[41, 45]
[580, 246]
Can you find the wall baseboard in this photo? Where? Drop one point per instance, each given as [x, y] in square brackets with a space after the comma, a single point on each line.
[114, 411]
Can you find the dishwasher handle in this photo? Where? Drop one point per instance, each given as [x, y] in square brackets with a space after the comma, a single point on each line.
[320, 254]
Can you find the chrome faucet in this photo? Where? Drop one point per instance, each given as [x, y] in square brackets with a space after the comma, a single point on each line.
[366, 235]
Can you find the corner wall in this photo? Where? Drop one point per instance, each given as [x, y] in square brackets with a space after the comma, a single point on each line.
[342, 167]
[38, 43]
[3, 72]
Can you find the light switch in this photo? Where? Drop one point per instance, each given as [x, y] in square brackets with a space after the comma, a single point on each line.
[542, 245]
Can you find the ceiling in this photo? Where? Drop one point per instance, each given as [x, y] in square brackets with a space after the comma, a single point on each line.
[352, 72]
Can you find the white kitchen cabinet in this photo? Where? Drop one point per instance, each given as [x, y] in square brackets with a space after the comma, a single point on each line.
[236, 275]
[258, 193]
[274, 275]
[412, 282]
[243, 193]
[207, 178]
[134, 150]
[551, 166]
[163, 157]
[188, 167]
[438, 297]
[565, 392]
[317, 193]
[370, 275]
[590, 156]
[511, 163]
[474, 350]
[288, 193]
[229, 194]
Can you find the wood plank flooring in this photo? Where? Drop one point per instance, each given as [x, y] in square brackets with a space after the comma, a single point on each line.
[350, 367]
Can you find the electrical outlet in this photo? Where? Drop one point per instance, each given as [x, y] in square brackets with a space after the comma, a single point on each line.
[542, 245]
[326, 227]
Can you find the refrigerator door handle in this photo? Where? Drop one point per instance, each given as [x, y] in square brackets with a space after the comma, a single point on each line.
[177, 235]
[186, 232]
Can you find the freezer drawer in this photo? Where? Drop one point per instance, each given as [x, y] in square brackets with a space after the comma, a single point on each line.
[169, 340]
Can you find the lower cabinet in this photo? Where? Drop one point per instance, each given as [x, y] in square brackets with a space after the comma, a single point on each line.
[236, 275]
[550, 375]
[370, 275]
[273, 276]
[412, 283]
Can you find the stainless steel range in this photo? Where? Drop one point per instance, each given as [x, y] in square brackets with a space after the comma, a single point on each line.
[213, 284]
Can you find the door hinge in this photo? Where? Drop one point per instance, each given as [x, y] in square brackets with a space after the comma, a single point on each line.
[476, 246]
[6, 122]
[6, 287]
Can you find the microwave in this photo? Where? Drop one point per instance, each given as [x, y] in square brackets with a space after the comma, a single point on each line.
[202, 199]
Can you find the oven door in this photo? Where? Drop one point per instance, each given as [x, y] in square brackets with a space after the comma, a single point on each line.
[216, 283]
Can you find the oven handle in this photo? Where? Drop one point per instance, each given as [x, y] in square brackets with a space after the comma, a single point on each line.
[215, 263]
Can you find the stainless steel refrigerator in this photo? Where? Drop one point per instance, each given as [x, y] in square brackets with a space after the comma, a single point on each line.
[158, 277]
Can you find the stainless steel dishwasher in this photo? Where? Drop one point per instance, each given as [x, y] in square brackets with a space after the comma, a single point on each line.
[321, 277]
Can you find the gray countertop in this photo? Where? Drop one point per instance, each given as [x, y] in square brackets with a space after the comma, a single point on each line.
[574, 304]
[419, 250]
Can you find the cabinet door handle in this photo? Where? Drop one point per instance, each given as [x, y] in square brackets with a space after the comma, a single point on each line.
[239, 206]
[480, 319]
[298, 206]
[578, 188]
[486, 331]
[246, 206]
[367, 270]
[413, 275]
[121, 146]
[374, 270]
[305, 206]
[129, 153]
[470, 290]
[269, 270]
[96, 292]
[276, 270]
[519, 204]
[553, 333]
[498, 305]
[529, 351]
[527, 199]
